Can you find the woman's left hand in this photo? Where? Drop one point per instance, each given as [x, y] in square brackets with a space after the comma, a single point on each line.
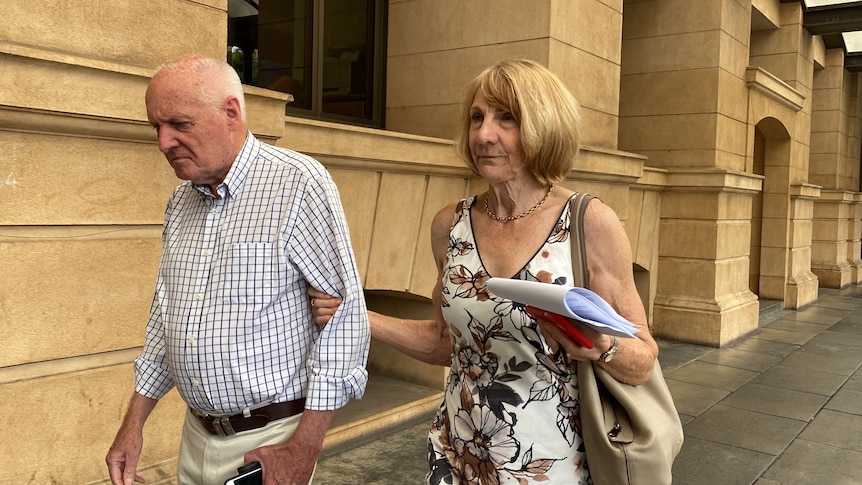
[323, 306]
[557, 339]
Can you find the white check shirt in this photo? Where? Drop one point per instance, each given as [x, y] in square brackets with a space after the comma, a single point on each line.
[230, 324]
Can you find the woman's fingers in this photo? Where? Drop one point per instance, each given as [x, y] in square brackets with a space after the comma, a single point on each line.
[323, 306]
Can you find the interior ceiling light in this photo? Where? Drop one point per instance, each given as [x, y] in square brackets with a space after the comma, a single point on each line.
[853, 42]
[826, 3]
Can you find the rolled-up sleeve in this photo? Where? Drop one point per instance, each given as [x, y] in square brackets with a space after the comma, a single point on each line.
[152, 375]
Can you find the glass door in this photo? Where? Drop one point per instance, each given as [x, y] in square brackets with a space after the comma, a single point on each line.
[327, 53]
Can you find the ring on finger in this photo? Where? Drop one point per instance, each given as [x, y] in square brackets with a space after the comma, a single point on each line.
[312, 302]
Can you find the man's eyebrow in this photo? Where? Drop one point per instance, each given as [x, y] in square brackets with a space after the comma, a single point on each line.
[173, 120]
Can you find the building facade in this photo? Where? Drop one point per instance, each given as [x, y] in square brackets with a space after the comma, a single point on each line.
[723, 132]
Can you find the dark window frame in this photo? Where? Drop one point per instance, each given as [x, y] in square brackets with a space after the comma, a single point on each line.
[369, 99]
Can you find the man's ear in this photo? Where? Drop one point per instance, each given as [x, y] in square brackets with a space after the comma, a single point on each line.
[232, 110]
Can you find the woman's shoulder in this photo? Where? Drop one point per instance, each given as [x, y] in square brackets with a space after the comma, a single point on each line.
[598, 211]
[447, 216]
[455, 208]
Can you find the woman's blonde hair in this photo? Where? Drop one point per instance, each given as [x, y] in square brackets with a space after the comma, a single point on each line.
[548, 115]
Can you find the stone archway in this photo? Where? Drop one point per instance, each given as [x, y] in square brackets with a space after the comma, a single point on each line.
[756, 215]
[771, 211]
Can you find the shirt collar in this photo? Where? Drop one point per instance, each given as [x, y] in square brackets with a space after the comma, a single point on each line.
[233, 182]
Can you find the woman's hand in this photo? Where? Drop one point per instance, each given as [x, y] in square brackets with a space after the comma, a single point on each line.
[323, 306]
[557, 340]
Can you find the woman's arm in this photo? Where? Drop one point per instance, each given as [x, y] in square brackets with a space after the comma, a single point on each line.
[425, 340]
[609, 262]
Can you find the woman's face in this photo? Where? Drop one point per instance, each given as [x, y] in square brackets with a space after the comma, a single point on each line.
[495, 141]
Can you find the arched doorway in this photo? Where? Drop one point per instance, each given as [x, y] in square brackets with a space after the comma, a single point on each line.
[756, 215]
[770, 211]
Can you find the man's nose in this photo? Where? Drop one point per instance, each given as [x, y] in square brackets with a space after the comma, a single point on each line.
[167, 140]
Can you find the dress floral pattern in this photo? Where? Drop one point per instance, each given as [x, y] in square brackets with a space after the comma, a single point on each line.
[510, 411]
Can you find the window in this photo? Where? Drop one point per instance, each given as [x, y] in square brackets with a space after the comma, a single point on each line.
[329, 54]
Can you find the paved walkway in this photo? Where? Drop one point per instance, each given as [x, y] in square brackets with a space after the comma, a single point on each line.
[783, 406]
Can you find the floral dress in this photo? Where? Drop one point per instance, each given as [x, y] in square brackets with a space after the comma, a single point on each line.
[510, 412]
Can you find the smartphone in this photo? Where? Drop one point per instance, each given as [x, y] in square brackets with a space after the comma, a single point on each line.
[249, 474]
[570, 330]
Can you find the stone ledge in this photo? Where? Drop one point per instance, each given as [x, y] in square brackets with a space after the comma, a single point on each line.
[774, 88]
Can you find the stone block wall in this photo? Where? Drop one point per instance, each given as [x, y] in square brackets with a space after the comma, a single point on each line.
[436, 47]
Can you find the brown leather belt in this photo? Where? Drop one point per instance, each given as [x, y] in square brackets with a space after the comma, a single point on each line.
[255, 418]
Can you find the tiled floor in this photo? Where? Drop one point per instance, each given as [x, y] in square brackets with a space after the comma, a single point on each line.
[782, 406]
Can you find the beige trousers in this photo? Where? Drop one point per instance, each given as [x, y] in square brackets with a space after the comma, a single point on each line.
[206, 459]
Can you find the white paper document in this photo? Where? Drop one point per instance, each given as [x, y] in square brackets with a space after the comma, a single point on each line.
[577, 303]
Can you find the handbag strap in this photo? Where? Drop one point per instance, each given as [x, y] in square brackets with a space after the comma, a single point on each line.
[579, 203]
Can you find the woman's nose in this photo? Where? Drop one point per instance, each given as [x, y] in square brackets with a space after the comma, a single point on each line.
[486, 132]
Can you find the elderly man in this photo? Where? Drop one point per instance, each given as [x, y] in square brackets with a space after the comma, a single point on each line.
[249, 231]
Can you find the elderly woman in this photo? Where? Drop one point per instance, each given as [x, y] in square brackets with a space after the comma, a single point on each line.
[510, 409]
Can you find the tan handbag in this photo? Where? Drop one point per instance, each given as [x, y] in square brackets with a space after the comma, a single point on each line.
[632, 434]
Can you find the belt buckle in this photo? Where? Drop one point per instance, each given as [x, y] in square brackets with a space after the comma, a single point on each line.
[221, 424]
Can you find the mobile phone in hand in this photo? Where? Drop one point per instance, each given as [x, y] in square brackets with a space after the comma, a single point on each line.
[570, 330]
[249, 474]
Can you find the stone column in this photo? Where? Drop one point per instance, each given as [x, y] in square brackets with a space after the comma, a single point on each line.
[802, 284]
[702, 295]
[437, 46]
[834, 138]
[684, 103]
[829, 238]
[854, 241]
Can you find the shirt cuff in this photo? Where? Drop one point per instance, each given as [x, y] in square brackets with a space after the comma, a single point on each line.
[151, 380]
[330, 393]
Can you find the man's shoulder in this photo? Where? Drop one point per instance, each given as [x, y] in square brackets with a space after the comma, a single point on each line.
[274, 165]
[289, 159]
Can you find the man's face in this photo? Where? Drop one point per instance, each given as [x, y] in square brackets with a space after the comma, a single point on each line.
[197, 139]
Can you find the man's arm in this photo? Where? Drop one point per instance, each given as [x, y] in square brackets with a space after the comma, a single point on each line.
[319, 246]
[125, 452]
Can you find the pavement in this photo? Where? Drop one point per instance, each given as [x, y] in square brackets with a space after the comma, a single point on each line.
[781, 406]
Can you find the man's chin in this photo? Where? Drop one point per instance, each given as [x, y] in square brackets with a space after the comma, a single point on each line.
[181, 174]
[180, 169]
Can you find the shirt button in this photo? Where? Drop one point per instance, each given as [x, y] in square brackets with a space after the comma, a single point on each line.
[207, 252]
[199, 296]
[196, 383]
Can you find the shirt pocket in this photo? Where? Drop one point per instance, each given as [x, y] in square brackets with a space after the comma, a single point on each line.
[251, 274]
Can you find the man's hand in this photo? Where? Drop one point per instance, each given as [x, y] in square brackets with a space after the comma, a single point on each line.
[124, 454]
[323, 306]
[123, 458]
[284, 463]
[293, 461]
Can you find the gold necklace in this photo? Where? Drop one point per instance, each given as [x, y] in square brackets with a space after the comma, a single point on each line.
[525, 214]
